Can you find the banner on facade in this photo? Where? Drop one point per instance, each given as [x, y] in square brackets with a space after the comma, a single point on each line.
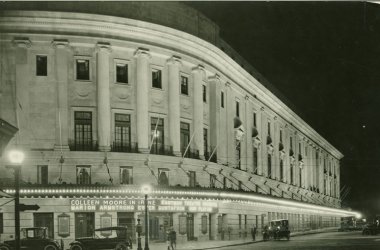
[154, 205]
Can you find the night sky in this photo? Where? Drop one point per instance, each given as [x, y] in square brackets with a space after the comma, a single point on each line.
[325, 58]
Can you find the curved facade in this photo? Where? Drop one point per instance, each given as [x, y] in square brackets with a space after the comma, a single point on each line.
[105, 104]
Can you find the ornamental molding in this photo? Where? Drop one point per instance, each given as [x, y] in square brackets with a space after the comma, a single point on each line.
[22, 42]
[144, 52]
[60, 43]
[176, 60]
[215, 78]
[103, 46]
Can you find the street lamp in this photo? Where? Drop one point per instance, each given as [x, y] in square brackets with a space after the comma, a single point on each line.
[146, 189]
[16, 157]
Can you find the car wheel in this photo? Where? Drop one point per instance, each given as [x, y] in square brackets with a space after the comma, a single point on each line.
[76, 247]
[51, 247]
[121, 246]
[4, 247]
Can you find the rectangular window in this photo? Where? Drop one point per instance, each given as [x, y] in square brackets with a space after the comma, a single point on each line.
[83, 69]
[184, 85]
[291, 174]
[280, 135]
[300, 173]
[222, 99]
[224, 182]
[212, 181]
[237, 108]
[84, 174]
[41, 65]
[184, 136]
[163, 177]
[122, 73]
[193, 179]
[291, 142]
[156, 79]
[157, 132]
[281, 170]
[126, 175]
[42, 174]
[122, 132]
[204, 91]
[269, 166]
[238, 154]
[239, 221]
[1, 223]
[255, 160]
[45, 220]
[205, 144]
[83, 130]
[254, 119]
[268, 128]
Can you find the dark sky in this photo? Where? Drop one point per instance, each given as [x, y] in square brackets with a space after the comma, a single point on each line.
[325, 58]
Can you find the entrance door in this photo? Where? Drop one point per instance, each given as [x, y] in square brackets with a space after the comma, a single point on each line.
[190, 226]
[210, 236]
[45, 220]
[84, 224]
[125, 219]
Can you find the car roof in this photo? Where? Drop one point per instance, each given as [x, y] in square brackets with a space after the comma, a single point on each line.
[279, 220]
[111, 228]
[34, 228]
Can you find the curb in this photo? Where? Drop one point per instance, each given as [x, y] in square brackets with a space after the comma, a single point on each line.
[231, 245]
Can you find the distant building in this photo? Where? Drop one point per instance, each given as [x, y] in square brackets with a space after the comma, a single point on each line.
[96, 87]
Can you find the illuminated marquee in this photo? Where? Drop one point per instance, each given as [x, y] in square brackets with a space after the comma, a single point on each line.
[156, 205]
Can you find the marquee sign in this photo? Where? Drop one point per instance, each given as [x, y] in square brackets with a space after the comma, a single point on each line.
[155, 205]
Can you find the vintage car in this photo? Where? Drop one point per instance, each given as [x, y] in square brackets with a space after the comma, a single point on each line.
[277, 229]
[33, 238]
[104, 238]
[371, 229]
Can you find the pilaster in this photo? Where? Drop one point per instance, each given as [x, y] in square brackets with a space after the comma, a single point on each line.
[103, 91]
[142, 98]
[198, 75]
[174, 64]
[215, 109]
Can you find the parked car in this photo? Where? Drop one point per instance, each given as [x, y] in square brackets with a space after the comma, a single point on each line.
[33, 238]
[371, 229]
[279, 229]
[104, 238]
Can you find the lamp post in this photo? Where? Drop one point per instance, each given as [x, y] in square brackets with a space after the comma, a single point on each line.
[138, 230]
[146, 190]
[16, 158]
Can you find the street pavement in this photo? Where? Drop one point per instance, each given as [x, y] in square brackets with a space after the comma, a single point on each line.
[321, 241]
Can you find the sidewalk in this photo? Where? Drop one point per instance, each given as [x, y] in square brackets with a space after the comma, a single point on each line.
[196, 245]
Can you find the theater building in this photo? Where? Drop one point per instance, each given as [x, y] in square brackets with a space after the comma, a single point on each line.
[108, 97]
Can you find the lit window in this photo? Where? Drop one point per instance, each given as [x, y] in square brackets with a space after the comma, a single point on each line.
[83, 174]
[157, 128]
[126, 175]
[122, 73]
[184, 85]
[83, 69]
[83, 131]
[156, 79]
[41, 65]
[122, 132]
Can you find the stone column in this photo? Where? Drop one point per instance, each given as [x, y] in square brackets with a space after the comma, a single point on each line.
[215, 107]
[22, 103]
[103, 89]
[338, 179]
[247, 156]
[174, 104]
[198, 73]
[143, 77]
[229, 133]
[61, 76]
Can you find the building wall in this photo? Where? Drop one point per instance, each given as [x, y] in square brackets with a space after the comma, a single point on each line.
[43, 109]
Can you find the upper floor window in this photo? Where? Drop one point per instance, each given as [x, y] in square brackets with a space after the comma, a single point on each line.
[184, 136]
[291, 143]
[212, 181]
[193, 179]
[254, 120]
[205, 143]
[269, 128]
[280, 135]
[204, 91]
[224, 182]
[126, 175]
[83, 174]
[83, 69]
[122, 73]
[255, 160]
[42, 174]
[237, 109]
[41, 65]
[163, 177]
[222, 99]
[270, 166]
[184, 85]
[122, 130]
[156, 79]
[157, 128]
[83, 130]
